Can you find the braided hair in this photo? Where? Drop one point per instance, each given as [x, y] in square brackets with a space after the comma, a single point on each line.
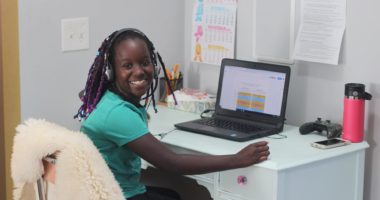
[98, 82]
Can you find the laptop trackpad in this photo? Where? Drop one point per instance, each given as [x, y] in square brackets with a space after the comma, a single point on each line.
[222, 131]
[209, 128]
[231, 132]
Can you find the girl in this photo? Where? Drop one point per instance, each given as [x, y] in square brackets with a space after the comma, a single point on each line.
[124, 73]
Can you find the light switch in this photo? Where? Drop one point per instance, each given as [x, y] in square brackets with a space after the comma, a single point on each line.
[75, 34]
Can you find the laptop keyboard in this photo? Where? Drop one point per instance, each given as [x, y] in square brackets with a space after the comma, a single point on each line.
[230, 125]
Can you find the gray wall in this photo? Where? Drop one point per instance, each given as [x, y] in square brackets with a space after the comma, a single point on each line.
[317, 90]
[50, 79]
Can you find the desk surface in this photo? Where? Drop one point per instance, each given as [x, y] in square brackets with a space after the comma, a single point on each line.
[294, 150]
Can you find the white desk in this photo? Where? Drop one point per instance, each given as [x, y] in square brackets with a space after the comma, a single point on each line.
[294, 171]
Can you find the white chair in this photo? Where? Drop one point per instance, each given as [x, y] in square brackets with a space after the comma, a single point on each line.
[79, 172]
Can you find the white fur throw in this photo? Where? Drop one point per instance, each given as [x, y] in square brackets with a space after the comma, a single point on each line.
[81, 172]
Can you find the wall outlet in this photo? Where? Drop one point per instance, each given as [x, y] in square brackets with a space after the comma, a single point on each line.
[75, 34]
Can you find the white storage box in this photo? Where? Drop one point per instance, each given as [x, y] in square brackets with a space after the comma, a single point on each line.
[191, 100]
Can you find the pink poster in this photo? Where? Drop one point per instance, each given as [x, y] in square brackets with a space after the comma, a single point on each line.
[213, 32]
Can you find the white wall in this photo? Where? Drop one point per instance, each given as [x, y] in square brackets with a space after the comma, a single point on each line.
[51, 79]
[317, 90]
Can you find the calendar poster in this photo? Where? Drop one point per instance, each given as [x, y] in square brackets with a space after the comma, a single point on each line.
[213, 31]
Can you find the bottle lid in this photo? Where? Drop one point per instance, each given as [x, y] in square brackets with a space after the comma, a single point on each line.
[356, 90]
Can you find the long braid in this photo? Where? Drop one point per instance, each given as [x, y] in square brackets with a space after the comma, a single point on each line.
[155, 84]
[167, 78]
[94, 88]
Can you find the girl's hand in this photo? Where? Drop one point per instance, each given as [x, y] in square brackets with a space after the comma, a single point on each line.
[253, 153]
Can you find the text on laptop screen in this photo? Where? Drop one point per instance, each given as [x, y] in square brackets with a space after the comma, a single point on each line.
[252, 90]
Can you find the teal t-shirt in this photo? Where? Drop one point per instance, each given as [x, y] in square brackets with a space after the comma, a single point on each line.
[110, 126]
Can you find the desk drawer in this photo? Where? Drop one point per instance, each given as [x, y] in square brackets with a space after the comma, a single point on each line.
[230, 196]
[203, 177]
[206, 180]
[253, 183]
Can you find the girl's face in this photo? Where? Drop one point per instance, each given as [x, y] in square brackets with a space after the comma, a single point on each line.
[133, 69]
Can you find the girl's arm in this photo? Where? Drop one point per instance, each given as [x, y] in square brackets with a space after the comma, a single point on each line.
[156, 153]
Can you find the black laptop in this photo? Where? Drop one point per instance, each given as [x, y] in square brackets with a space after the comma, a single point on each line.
[250, 103]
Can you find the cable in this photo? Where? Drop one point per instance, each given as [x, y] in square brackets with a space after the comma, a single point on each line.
[281, 136]
[206, 111]
[162, 135]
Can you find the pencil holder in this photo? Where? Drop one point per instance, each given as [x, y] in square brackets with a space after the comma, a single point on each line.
[176, 84]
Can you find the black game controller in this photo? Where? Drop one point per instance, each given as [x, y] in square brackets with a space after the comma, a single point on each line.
[332, 130]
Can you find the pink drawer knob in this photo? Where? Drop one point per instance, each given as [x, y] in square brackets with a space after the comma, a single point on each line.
[242, 180]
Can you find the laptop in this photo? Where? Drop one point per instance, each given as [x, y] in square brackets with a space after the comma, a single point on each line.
[250, 102]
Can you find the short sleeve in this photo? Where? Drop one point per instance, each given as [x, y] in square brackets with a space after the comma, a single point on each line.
[124, 124]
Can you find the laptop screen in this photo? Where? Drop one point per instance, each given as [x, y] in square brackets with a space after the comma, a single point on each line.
[256, 90]
[252, 90]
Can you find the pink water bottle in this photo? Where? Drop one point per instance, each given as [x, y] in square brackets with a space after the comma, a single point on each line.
[353, 113]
